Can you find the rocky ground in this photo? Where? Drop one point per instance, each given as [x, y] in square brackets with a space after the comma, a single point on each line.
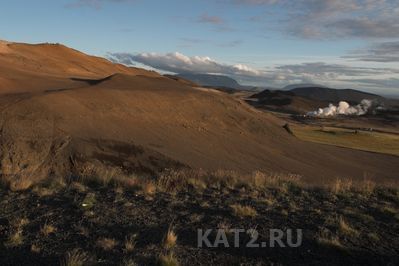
[81, 224]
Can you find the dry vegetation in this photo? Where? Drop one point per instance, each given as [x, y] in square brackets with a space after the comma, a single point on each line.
[107, 244]
[243, 211]
[47, 229]
[130, 243]
[329, 240]
[75, 258]
[170, 239]
[132, 211]
[16, 237]
[168, 260]
[345, 228]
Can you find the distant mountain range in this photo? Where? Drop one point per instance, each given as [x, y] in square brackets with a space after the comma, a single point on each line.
[209, 80]
[302, 85]
[335, 95]
[311, 91]
[284, 101]
[304, 99]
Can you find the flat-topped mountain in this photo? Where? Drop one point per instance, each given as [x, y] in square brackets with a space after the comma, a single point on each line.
[208, 80]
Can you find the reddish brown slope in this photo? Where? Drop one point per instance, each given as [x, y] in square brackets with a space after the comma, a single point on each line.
[35, 67]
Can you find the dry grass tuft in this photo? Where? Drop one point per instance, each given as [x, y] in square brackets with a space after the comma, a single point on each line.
[130, 243]
[170, 239]
[170, 181]
[97, 174]
[21, 222]
[174, 180]
[341, 186]
[243, 211]
[367, 186]
[197, 184]
[198, 180]
[128, 262]
[16, 239]
[269, 201]
[107, 176]
[168, 260]
[47, 229]
[263, 180]
[75, 258]
[345, 228]
[35, 249]
[107, 243]
[326, 239]
[224, 178]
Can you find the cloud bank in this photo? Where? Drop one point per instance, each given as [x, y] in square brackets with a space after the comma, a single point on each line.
[386, 52]
[321, 19]
[179, 63]
[314, 72]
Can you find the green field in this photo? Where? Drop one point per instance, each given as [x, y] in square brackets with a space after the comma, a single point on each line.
[360, 140]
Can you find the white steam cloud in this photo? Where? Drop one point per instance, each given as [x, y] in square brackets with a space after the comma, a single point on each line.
[343, 108]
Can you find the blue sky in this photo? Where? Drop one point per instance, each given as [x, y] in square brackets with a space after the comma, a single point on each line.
[352, 43]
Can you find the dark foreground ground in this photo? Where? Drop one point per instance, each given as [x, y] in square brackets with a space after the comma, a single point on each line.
[76, 224]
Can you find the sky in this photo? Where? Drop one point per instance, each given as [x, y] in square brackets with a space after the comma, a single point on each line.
[267, 43]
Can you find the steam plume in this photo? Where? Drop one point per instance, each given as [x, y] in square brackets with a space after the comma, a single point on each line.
[343, 108]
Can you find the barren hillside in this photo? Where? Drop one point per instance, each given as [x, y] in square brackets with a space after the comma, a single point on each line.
[61, 108]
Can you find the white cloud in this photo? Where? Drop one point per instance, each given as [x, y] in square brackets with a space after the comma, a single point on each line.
[179, 63]
[335, 75]
[332, 71]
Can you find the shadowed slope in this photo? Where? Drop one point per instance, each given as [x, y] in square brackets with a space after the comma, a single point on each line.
[285, 101]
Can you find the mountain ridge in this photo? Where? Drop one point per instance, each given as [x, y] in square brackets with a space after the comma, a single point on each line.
[211, 80]
[335, 95]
